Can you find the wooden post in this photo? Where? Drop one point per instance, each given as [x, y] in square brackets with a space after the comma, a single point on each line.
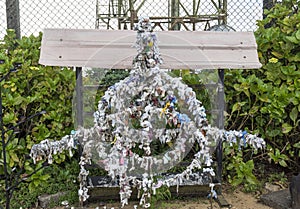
[13, 16]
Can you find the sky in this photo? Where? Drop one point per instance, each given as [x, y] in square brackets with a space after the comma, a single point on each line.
[35, 15]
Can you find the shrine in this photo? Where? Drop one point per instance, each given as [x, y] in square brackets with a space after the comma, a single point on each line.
[148, 106]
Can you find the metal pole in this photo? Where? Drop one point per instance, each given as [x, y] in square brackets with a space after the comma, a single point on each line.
[120, 5]
[133, 14]
[225, 11]
[194, 14]
[220, 121]
[175, 13]
[13, 16]
[79, 97]
[267, 4]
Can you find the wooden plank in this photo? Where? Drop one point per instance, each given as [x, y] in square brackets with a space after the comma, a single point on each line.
[112, 193]
[223, 202]
[179, 49]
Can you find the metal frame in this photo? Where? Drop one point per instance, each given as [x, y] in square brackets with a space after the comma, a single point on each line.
[126, 13]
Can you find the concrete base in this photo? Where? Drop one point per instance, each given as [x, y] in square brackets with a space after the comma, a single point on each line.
[45, 200]
[277, 200]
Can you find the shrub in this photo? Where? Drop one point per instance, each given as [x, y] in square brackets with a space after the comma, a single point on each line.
[33, 88]
[267, 101]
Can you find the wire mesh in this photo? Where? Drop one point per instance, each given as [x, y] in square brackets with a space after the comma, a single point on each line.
[35, 15]
[2, 19]
[242, 15]
[38, 14]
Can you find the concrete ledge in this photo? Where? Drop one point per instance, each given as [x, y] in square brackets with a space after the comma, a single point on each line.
[45, 199]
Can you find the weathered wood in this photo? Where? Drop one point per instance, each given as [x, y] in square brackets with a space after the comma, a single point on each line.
[222, 202]
[112, 193]
[179, 49]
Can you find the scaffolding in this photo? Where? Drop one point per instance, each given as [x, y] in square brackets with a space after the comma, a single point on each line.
[165, 15]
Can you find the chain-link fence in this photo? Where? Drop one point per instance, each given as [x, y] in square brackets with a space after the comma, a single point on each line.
[35, 15]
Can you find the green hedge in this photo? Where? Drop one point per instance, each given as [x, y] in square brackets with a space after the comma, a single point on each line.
[267, 101]
[33, 88]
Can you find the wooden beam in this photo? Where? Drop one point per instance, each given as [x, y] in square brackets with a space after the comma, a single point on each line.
[179, 49]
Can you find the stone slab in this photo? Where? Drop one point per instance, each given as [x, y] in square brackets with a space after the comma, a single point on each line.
[277, 200]
[45, 200]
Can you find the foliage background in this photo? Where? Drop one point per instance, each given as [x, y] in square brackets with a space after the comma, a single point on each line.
[33, 88]
[267, 101]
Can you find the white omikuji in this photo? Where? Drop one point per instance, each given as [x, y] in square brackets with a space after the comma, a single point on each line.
[162, 108]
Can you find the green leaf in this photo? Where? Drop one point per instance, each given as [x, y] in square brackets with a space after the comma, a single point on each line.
[18, 100]
[237, 181]
[264, 98]
[293, 39]
[36, 182]
[45, 177]
[250, 165]
[277, 54]
[251, 179]
[273, 132]
[235, 107]
[295, 58]
[289, 70]
[14, 157]
[294, 114]
[282, 163]
[298, 34]
[31, 187]
[8, 117]
[286, 128]
[28, 168]
[297, 145]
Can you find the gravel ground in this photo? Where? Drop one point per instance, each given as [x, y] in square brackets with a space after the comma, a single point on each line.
[236, 199]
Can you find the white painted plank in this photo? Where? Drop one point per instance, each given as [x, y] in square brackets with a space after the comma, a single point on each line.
[179, 49]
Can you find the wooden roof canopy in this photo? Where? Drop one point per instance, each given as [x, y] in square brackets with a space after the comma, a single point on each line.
[114, 49]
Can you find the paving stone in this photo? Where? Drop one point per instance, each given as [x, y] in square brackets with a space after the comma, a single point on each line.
[277, 200]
